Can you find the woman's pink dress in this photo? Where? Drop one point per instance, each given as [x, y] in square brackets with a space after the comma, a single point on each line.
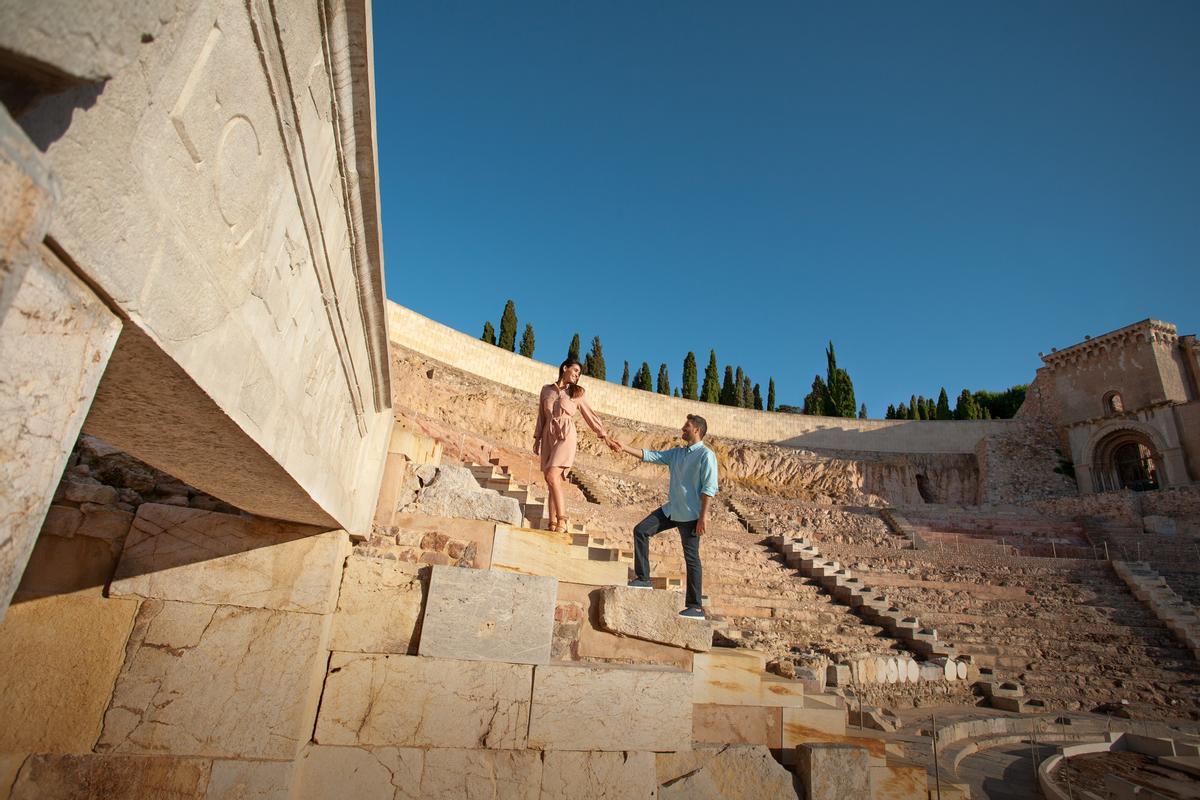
[556, 426]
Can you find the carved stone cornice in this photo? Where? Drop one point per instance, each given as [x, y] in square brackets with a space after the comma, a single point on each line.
[1149, 330]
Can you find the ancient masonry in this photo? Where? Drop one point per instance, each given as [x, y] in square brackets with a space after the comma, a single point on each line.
[266, 534]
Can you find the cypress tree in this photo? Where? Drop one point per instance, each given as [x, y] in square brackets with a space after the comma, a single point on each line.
[689, 376]
[664, 381]
[645, 382]
[839, 388]
[815, 401]
[967, 408]
[527, 341]
[771, 395]
[930, 408]
[596, 360]
[913, 413]
[943, 406]
[747, 392]
[728, 390]
[489, 333]
[739, 382]
[677, 391]
[902, 411]
[711, 392]
[758, 404]
[921, 407]
[862, 411]
[891, 412]
[508, 328]
[573, 350]
[625, 375]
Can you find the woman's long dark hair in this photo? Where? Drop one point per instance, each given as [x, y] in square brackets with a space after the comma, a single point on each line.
[570, 362]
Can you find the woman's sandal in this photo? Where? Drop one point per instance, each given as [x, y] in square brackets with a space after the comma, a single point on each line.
[561, 525]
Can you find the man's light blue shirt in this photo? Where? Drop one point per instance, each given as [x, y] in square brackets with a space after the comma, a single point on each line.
[693, 473]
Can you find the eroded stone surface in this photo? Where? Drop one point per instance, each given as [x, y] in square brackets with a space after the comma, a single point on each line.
[379, 606]
[603, 708]
[567, 775]
[725, 773]
[100, 777]
[486, 615]
[653, 616]
[833, 771]
[59, 658]
[220, 681]
[250, 780]
[409, 701]
[190, 555]
[454, 492]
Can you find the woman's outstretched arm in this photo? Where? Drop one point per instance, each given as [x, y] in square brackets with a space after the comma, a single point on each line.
[591, 419]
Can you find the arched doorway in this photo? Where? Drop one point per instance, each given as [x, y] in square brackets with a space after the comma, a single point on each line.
[1127, 459]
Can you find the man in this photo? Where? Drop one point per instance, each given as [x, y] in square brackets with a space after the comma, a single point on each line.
[693, 486]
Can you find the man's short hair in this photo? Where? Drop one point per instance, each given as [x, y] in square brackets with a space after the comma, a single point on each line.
[699, 422]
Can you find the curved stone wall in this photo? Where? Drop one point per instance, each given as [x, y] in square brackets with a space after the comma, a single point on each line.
[410, 330]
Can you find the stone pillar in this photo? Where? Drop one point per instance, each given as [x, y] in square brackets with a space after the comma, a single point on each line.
[55, 338]
[1174, 468]
[1083, 477]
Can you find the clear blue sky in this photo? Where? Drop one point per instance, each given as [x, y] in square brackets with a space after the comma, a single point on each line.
[942, 189]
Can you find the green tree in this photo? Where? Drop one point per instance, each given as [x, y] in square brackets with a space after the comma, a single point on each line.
[930, 408]
[489, 333]
[840, 388]
[739, 382]
[902, 411]
[891, 412]
[711, 392]
[595, 358]
[573, 350]
[689, 376]
[625, 375]
[747, 392]
[966, 407]
[508, 327]
[943, 406]
[1002, 405]
[664, 381]
[862, 411]
[814, 401]
[758, 403]
[645, 382]
[913, 412]
[771, 395]
[728, 388]
[987, 413]
[527, 341]
[677, 392]
[921, 407]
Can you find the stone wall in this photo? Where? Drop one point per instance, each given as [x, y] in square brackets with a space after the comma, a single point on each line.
[415, 332]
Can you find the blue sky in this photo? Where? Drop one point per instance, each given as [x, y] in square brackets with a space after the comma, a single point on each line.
[942, 189]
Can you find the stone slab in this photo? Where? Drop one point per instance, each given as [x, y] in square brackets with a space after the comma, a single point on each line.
[728, 773]
[62, 566]
[609, 708]
[899, 782]
[488, 615]
[599, 645]
[833, 771]
[189, 555]
[570, 775]
[411, 701]
[379, 606]
[545, 553]
[481, 532]
[653, 616]
[728, 676]
[394, 773]
[106, 777]
[59, 659]
[250, 780]
[720, 724]
[774, 690]
[221, 681]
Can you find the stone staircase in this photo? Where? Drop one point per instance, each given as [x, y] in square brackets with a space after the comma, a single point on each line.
[590, 487]
[1171, 609]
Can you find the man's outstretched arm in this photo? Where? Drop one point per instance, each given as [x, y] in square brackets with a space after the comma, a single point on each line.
[617, 447]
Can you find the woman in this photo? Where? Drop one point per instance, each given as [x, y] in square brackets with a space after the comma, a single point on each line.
[554, 437]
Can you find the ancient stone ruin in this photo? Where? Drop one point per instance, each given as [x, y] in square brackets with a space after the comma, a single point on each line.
[269, 535]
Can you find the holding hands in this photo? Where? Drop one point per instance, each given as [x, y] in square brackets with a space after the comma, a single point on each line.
[613, 444]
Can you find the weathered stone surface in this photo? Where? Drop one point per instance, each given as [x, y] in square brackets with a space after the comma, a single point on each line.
[409, 701]
[585, 640]
[10, 765]
[568, 775]
[726, 773]
[833, 771]
[100, 777]
[603, 708]
[411, 529]
[653, 616]
[737, 725]
[195, 556]
[728, 676]
[487, 615]
[62, 566]
[59, 659]
[250, 780]
[379, 606]
[220, 681]
[393, 773]
[454, 492]
[899, 782]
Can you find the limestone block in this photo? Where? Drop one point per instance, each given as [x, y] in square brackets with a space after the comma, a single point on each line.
[547, 553]
[737, 725]
[568, 775]
[379, 606]
[481, 532]
[62, 521]
[488, 615]
[410, 701]
[101, 777]
[62, 566]
[392, 773]
[802, 724]
[454, 492]
[602, 708]
[196, 556]
[10, 765]
[728, 676]
[776, 691]
[220, 681]
[833, 771]
[653, 616]
[595, 644]
[899, 782]
[730, 773]
[59, 659]
[250, 780]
